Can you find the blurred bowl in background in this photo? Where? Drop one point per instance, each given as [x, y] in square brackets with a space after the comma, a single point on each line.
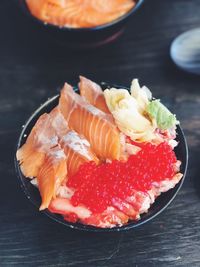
[185, 51]
[83, 37]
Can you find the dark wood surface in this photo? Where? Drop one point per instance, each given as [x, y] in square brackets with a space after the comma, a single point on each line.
[31, 70]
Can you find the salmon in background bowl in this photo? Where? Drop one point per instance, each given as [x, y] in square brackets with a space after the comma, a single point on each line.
[88, 34]
[113, 178]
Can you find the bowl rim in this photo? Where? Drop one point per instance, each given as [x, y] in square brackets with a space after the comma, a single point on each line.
[85, 29]
[79, 226]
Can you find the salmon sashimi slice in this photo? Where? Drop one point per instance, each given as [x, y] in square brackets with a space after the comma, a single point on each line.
[111, 217]
[63, 206]
[45, 9]
[140, 201]
[95, 125]
[51, 175]
[166, 184]
[126, 208]
[37, 7]
[77, 150]
[32, 154]
[93, 93]
[58, 123]
[79, 13]
[30, 160]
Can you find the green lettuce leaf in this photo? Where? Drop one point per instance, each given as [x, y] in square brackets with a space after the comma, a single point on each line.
[164, 118]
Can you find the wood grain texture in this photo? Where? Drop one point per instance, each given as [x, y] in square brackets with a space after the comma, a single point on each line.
[33, 69]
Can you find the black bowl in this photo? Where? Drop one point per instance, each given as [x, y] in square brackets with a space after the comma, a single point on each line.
[83, 37]
[160, 204]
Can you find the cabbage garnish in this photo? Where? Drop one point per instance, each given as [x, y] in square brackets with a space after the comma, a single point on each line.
[164, 118]
[137, 115]
[129, 111]
[141, 94]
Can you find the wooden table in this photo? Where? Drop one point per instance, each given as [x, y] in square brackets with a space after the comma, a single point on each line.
[31, 70]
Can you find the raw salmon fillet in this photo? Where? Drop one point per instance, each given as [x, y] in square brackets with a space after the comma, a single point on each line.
[79, 13]
[109, 218]
[77, 150]
[93, 93]
[51, 175]
[46, 134]
[63, 206]
[51, 150]
[95, 125]
[58, 123]
[32, 154]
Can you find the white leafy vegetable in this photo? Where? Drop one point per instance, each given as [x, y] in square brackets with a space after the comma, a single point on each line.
[142, 95]
[128, 111]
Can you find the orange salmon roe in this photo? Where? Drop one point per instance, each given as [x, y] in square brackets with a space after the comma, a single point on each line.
[96, 185]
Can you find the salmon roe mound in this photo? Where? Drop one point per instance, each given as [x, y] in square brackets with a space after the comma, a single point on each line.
[96, 185]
